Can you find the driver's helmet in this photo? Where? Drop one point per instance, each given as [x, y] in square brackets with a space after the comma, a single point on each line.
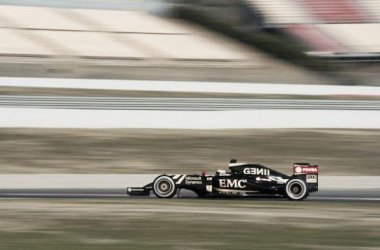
[220, 172]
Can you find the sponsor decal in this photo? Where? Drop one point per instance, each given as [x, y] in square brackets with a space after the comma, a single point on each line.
[181, 179]
[193, 180]
[176, 176]
[277, 179]
[235, 191]
[306, 169]
[311, 178]
[263, 179]
[232, 183]
[298, 170]
[256, 171]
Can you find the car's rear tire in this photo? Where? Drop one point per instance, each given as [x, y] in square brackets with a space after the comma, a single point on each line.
[296, 190]
[164, 187]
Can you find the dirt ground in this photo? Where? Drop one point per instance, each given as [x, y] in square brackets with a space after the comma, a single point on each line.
[139, 151]
[258, 70]
[187, 224]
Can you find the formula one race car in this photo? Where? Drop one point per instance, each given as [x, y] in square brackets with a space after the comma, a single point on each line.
[242, 180]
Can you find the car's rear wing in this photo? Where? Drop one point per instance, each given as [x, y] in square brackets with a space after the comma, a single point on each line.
[305, 168]
[308, 173]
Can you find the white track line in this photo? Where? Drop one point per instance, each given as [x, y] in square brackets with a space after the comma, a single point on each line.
[242, 119]
[344, 198]
[202, 87]
[61, 195]
[86, 195]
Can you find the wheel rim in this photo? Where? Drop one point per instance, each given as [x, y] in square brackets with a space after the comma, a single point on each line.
[296, 189]
[164, 186]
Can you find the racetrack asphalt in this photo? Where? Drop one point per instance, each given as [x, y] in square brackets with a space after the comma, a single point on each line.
[335, 195]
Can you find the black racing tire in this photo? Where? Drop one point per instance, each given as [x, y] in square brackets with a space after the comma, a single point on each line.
[164, 187]
[296, 190]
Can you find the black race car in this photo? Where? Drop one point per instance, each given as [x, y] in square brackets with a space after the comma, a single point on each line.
[242, 180]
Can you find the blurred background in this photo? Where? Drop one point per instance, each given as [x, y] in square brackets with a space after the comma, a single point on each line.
[93, 92]
[232, 40]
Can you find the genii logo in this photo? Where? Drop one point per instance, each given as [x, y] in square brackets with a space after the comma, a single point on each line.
[232, 183]
[256, 171]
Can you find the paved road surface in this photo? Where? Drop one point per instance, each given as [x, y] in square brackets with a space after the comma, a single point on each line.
[324, 195]
[332, 188]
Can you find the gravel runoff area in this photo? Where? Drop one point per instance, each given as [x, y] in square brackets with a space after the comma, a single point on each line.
[187, 224]
[143, 151]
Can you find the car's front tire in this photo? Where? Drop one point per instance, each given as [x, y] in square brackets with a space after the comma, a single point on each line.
[296, 190]
[164, 187]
